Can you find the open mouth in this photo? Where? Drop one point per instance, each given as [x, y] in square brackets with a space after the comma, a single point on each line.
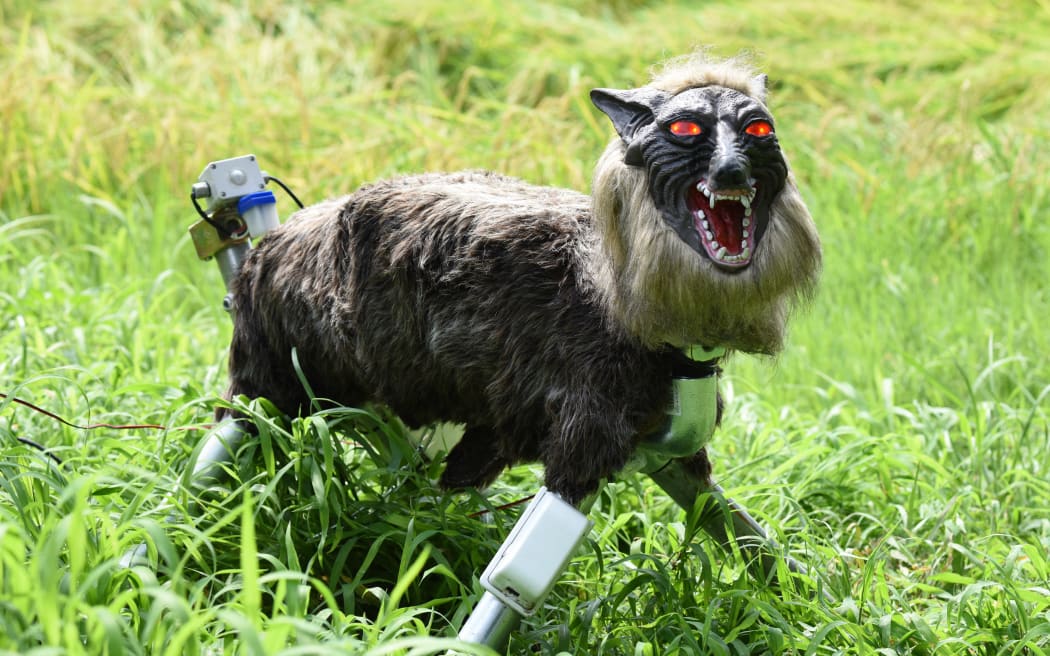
[724, 222]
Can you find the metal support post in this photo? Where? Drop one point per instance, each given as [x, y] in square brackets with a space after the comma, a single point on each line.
[490, 623]
[216, 449]
[528, 564]
[239, 209]
[747, 534]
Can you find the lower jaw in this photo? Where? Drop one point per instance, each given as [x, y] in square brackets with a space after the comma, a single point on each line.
[728, 260]
[721, 256]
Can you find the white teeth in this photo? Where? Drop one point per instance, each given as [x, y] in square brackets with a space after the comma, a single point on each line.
[721, 253]
[745, 198]
[710, 235]
[746, 233]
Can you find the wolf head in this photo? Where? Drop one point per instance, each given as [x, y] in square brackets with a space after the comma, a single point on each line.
[706, 238]
[712, 162]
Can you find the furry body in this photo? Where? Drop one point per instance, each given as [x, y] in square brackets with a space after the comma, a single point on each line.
[545, 320]
[462, 298]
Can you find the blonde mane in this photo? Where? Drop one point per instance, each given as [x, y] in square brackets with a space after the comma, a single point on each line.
[697, 70]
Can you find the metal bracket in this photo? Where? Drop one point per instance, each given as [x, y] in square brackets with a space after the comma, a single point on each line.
[207, 240]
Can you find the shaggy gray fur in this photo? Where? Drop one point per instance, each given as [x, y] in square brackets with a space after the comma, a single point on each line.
[511, 308]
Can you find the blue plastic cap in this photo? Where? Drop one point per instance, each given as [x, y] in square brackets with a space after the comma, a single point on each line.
[254, 200]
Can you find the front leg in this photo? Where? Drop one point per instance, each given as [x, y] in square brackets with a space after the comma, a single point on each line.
[687, 479]
[474, 462]
[588, 443]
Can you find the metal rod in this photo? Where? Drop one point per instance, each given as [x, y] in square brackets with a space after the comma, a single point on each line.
[217, 449]
[747, 534]
[137, 556]
[490, 624]
[229, 261]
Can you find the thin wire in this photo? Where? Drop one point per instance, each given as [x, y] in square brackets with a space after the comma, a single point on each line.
[223, 232]
[41, 448]
[52, 415]
[270, 178]
[46, 451]
[506, 506]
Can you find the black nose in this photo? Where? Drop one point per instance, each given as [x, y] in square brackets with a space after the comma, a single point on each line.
[728, 173]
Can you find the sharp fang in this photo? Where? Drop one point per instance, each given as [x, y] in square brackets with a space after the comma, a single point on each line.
[714, 199]
[722, 253]
[745, 201]
[746, 252]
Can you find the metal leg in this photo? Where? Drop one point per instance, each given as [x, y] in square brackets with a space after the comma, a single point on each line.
[216, 450]
[137, 556]
[747, 534]
[526, 567]
[490, 623]
[498, 614]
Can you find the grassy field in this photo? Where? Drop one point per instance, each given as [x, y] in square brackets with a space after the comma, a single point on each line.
[900, 446]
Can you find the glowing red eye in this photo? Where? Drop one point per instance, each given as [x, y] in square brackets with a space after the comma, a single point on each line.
[685, 128]
[759, 129]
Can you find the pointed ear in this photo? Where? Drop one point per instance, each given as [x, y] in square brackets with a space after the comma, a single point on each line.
[628, 109]
[759, 84]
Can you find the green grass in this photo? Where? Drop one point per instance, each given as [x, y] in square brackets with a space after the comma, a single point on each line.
[900, 446]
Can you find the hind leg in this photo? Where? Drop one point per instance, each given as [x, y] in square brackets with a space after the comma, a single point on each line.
[474, 462]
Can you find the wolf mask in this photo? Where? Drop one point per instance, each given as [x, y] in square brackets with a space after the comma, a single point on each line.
[546, 321]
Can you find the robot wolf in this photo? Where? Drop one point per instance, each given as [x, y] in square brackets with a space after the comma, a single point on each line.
[547, 321]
